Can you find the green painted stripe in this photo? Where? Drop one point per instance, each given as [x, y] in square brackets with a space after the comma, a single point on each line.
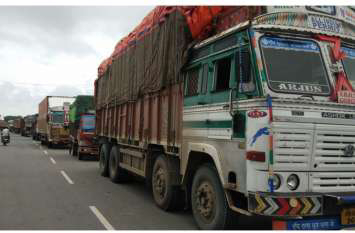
[271, 157]
[208, 124]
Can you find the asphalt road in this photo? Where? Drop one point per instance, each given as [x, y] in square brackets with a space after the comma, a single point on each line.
[47, 189]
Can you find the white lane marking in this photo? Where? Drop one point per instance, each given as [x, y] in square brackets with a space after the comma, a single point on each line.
[101, 218]
[53, 161]
[66, 177]
[45, 152]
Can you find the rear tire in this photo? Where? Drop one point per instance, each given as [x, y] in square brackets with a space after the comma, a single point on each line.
[80, 156]
[104, 158]
[166, 196]
[117, 174]
[208, 201]
[70, 150]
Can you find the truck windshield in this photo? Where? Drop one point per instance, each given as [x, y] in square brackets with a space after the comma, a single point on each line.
[294, 66]
[349, 64]
[58, 117]
[88, 123]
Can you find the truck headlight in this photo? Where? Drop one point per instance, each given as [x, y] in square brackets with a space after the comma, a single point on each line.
[293, 181]
[276, 181]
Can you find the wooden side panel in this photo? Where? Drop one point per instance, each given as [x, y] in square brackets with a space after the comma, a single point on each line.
[137, 120]
[155, 119]
[146, 117]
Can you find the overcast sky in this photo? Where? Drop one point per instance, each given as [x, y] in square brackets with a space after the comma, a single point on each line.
[56, 50]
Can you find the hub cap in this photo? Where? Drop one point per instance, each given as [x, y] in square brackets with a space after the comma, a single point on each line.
[159, 183]
[205, 200]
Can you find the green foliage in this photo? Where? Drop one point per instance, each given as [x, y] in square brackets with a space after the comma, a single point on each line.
[8, 118]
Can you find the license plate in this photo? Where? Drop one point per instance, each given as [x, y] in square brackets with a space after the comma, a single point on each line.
[348, 216]
[314, 224]
[325, 24]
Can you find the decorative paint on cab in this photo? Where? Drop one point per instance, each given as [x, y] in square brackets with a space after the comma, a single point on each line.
[257, 114]
[259, 133]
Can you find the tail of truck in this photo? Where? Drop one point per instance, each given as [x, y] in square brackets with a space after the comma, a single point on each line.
[18, 125]
[82, 127]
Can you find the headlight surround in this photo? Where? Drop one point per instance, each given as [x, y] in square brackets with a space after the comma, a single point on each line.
[293, 181]
[276, 181]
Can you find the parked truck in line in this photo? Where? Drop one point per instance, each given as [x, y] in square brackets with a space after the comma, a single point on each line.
[28, 124]
[244, 110]
[34, 132]
[53, 120]
[18, 125]
[3, 124]
[82, 127]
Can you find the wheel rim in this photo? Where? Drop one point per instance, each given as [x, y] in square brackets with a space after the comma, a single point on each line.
[159, 183]
[205, 201]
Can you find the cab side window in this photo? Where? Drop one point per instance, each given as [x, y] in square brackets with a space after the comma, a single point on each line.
[204, 83]
[222, 73]
[192, 82]
[244, 72]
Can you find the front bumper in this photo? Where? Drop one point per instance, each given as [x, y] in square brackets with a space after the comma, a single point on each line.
[305, 211]
[59, 141]
[89, 150]
[281, 205]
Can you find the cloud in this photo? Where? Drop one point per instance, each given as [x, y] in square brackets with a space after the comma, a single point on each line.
[17, 101]
[56, 50]
[66, 90]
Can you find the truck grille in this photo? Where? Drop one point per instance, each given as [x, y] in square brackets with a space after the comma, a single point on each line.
[332, 181]
[292, 146]
[329, 148]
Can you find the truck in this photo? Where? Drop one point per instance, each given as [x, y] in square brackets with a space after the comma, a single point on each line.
[236, 110]
[3, 124]
[18, 125]
[34, 132]
[53, 120]
[28, 120]
[82, 127]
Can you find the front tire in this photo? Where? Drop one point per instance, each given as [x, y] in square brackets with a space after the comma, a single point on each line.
[117, 174]
[104, 158]
[166, 196]
[208, 200]
[80, 155]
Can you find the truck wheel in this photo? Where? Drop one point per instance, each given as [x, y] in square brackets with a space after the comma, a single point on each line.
[75, 150]
[208, 201]
[117, 174]
[104, 158]
[166, 196]
[80, 156]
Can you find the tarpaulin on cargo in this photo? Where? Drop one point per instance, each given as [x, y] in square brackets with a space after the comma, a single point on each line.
[151, 56]
[151, 63]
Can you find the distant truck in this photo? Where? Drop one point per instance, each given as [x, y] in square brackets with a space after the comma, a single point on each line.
[82, 127]
[27, 129]
[18, 126]
[53, 120]
[3, 124]
[10, 124]
[34, 132]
